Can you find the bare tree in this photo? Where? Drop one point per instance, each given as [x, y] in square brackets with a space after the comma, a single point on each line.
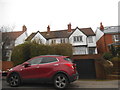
[4, 40]
[7, 28]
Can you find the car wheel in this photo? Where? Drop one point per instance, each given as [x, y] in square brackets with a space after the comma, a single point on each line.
[60, 81]
[14, 80]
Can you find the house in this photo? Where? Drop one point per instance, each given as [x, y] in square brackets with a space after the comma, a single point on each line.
[11, 39]
[82, 39]
[106, 36]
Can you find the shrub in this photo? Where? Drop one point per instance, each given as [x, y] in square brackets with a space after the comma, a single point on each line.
[107, 56]
[20, 53]
[25, 51]
[115, 59]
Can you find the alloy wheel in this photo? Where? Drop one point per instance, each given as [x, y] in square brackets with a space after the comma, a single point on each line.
[61, 81]
[14, 80]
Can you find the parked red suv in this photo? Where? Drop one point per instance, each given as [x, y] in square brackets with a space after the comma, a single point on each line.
[50, 68]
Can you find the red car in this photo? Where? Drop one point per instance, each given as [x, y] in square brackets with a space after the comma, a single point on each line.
[50, 68]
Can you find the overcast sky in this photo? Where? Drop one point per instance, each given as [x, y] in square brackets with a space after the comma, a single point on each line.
[38, 14]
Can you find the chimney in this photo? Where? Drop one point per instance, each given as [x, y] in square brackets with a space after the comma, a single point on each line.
[48, 29]
[101, 26]
[69, 27]
[24, 28]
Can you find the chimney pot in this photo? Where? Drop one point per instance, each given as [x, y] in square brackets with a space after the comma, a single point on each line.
[24, 28]
[48, 29]
[69, 27]
[101, 26]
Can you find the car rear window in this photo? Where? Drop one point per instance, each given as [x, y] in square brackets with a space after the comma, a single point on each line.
[68, 59]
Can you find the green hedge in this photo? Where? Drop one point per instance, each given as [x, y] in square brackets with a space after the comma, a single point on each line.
[25, 51]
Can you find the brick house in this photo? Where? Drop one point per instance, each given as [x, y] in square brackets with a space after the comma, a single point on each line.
[105, 36]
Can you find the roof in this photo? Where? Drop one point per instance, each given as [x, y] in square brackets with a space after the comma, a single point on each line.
[87, 31]
[61, 33]
[31, 36]
[57, 34]
[11, 35]
[111, 29]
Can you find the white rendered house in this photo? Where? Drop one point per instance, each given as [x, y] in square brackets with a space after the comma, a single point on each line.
[83, 40]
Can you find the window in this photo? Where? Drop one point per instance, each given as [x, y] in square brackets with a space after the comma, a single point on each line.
[68, 59]
[53, 41]
[91, 50]
[116, 38]
[49, 60]
[90, 39]
[62, 40]
[8, 53]
[37, 40]
[35, 61]
[77, 39]
[79, 50]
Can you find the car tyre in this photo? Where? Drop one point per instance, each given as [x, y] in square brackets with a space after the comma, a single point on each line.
[14, 80]
[60, 81]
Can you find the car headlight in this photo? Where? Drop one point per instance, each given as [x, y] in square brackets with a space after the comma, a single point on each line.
[10, 69]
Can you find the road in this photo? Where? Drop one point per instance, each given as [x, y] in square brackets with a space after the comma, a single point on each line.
[77, 85]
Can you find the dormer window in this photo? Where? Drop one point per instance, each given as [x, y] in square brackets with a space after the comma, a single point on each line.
[77, 39]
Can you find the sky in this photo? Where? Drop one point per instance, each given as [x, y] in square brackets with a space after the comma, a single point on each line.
[38, 14]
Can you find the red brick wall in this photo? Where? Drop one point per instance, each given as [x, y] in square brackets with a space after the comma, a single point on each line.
[89, 56]
[6, 65]
[100, 45]
[103, 42]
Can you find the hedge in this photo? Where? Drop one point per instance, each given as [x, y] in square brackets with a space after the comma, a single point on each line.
[24, 52]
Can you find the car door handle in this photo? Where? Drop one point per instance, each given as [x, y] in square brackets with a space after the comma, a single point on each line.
[56, 64]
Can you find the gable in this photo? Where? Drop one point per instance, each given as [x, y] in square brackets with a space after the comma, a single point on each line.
[33, 35]
[38, 36]
[85, 31]
[77, 32]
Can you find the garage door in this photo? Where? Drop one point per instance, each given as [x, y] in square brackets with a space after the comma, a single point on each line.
[86, 68]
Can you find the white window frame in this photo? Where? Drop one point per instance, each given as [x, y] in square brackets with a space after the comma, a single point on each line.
[78, 38]
[53, 41]
[62, 40]
[116, 38]
[79, 50]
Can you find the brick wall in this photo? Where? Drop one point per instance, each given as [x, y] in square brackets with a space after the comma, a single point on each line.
[6, 65]
[104, 41]
[89, 56]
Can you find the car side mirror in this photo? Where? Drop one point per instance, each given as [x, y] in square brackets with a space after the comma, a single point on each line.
[26, 64]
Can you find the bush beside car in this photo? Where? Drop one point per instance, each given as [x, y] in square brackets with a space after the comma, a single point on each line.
[28, 50]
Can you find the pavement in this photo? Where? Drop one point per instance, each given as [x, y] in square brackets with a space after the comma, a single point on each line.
[77, 85]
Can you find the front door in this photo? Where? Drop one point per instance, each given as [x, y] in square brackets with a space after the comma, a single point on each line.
[33, 70]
